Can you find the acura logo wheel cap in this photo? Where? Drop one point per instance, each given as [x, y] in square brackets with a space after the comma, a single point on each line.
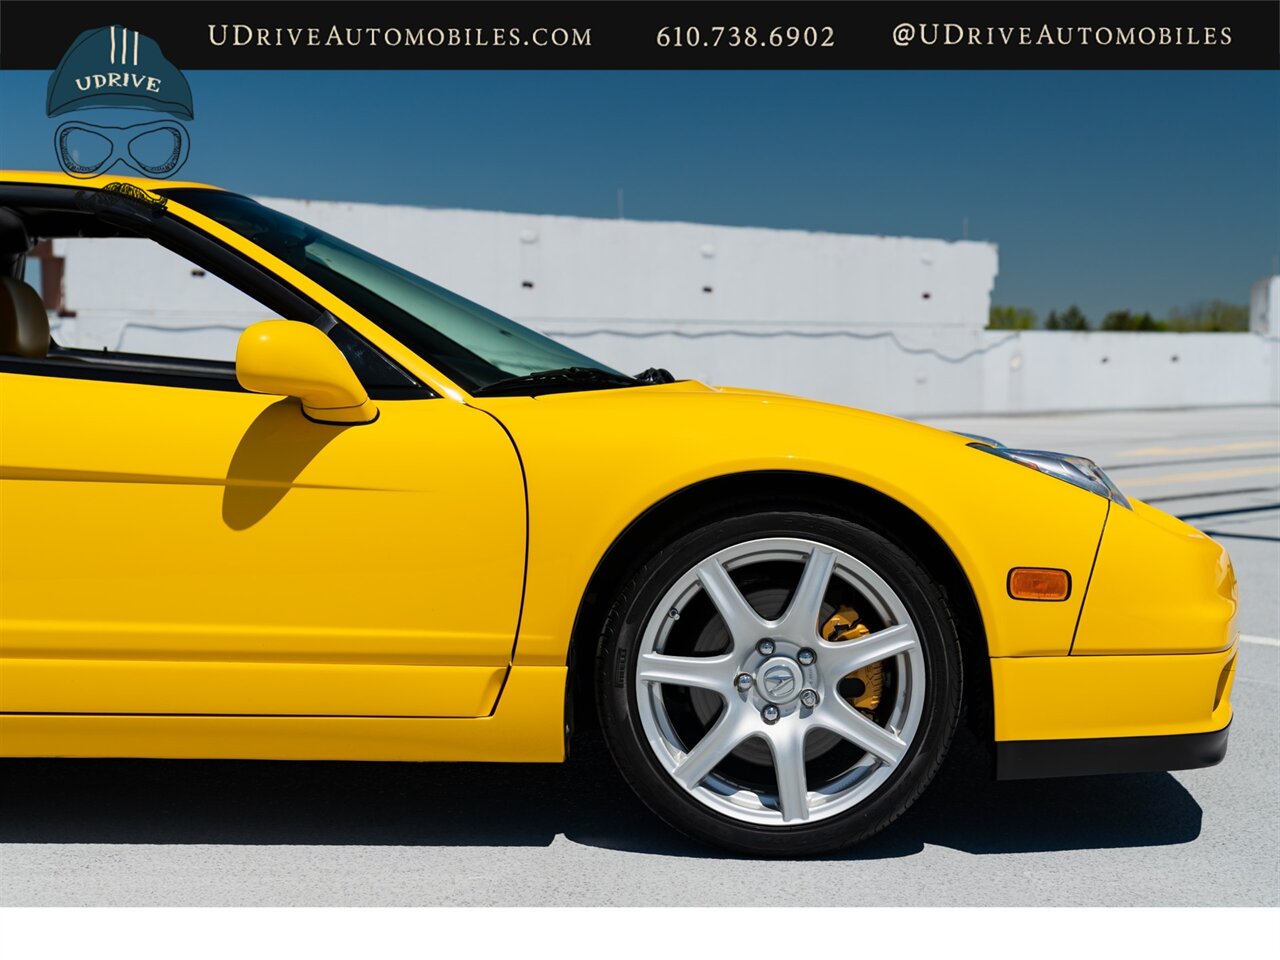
[780, 680]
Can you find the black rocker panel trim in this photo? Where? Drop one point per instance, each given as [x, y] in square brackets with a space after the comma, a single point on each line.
[1036, 759]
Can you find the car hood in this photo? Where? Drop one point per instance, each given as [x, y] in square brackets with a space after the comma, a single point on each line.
[663, 407]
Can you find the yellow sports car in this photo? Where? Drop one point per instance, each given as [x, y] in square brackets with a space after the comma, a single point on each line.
[401, 527]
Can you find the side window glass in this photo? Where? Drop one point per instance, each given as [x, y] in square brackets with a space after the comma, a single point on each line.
[129, 295]
[373, 369]
[129, 300]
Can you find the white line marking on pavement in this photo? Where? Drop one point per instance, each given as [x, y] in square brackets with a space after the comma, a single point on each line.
[1202, 475]
[1261, 641]
[1216, 448]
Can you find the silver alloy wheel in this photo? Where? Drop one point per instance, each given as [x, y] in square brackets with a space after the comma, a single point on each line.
[771, 707]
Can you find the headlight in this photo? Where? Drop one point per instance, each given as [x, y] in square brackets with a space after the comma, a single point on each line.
[1079, 471]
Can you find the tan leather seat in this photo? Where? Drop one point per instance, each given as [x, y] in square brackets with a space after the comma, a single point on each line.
[24, 322]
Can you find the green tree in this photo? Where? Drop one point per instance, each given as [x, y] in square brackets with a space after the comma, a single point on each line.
[1073, 319]
[1011, 318]
[1210, 316]
[1129, 321]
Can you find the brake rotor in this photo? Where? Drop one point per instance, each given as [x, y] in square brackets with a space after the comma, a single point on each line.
[864, 686]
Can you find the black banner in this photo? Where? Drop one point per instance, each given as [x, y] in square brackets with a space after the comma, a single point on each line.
[753, 34]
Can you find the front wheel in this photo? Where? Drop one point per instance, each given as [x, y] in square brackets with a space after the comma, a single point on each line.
[779, 684]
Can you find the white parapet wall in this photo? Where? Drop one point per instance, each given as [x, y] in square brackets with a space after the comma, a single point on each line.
[1264, 306]
[889, 323]
[545, 270]
[987, 371]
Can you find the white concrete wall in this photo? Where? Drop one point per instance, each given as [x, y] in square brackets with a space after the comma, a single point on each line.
[1264, 306]
[1058, 370]
[988, 371]
[627, 271]
[838, 318]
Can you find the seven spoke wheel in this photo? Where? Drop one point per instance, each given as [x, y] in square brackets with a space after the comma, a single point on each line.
[780, 681]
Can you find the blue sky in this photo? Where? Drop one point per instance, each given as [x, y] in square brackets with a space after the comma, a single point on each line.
[1138, 190]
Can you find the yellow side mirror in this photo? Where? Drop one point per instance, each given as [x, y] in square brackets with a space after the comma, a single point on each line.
[291, 359]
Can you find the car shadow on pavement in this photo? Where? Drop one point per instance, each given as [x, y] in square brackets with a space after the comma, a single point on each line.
[471, 804]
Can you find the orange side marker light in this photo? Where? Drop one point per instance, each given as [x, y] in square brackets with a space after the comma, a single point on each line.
[1039, 583]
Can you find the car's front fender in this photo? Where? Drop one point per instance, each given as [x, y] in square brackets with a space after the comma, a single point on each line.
[596, 461]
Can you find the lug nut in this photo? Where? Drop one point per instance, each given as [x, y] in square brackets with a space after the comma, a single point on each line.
[770, 714]
[806, 657]
[766, 648]
[809, 698]
[743, 681]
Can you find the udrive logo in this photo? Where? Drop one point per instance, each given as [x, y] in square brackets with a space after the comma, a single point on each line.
[115, 68]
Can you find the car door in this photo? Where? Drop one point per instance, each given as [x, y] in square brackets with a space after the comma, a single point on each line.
[171, 544]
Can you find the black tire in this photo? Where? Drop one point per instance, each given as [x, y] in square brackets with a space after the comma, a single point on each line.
[616, 694]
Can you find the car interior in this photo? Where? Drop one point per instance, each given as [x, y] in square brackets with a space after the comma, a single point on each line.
[24, 318]
[27, 344]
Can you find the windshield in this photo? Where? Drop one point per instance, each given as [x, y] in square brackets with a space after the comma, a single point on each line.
[471, 344]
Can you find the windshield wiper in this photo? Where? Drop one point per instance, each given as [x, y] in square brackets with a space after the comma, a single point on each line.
[555, 381]
[655, 375]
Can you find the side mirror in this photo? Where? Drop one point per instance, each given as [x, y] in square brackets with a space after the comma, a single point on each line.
[291, 359]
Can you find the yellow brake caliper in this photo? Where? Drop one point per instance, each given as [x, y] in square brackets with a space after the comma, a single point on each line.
[844, 625]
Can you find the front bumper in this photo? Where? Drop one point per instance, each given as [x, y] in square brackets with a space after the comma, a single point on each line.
[1071, 716]
[1147, 685]
[1079, 698]
[1034, 759]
